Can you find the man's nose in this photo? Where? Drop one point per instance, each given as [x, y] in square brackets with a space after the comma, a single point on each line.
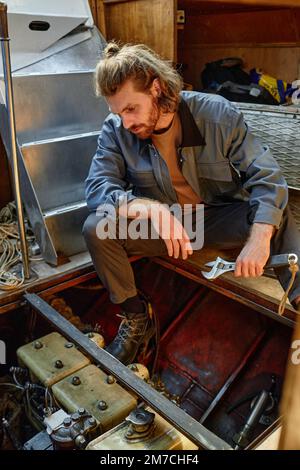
[127, 121]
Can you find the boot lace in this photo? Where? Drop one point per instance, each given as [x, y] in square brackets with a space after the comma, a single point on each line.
[130, 328]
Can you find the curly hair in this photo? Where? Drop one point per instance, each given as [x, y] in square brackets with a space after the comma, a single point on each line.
[141, 64]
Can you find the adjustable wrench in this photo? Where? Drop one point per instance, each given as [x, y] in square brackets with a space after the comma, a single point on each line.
[220, 266]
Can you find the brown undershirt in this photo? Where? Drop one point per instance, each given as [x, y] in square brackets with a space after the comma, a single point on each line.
[167, 144]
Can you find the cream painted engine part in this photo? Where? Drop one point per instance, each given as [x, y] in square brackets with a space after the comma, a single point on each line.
[143, 429]
[98, 393]
[56, 363]
[51, 358]
[96, 338]
[140, 370]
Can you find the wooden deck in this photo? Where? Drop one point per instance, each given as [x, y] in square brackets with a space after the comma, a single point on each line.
[263, 294]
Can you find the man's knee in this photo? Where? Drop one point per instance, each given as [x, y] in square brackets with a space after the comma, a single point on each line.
[89, 229]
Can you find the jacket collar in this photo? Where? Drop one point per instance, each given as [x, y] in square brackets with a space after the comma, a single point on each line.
[191, 136]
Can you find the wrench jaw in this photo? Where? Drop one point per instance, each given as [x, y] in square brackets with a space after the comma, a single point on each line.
[218, 267]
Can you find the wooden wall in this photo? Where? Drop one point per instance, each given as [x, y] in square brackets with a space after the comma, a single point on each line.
[267, 38]
[152, 22]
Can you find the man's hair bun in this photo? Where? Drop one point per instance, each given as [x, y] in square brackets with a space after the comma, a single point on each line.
[111, 50]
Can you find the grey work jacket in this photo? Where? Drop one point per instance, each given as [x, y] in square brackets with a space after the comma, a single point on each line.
[219, 157]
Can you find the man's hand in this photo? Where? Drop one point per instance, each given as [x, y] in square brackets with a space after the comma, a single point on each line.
[166, 225]
[256, 252]
[171, 231]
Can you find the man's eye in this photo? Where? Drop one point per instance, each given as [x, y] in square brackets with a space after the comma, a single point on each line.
[129, 110]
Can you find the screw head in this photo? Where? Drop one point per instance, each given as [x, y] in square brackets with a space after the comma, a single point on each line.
[102, 405]
[110, 379]
[75, 416]
[38, 345]
[81, 411]
[92, 421]
[67, 421]
[69, 345]
[58, 364]
[76, 380]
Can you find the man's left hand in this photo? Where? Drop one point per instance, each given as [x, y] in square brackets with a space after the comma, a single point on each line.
[256, 252]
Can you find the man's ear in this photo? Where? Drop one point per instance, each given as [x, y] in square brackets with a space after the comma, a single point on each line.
[156, 88]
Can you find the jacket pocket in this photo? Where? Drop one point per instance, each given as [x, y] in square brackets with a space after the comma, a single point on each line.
[217, 171]
[141, 179]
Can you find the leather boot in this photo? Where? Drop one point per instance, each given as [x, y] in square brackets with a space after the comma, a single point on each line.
[135, 331]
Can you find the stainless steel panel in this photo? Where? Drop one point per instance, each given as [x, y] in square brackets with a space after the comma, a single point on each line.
[52, 106]
[65, 227]
[278, 127]
[29, 199]
[58, 169]
[83, 56]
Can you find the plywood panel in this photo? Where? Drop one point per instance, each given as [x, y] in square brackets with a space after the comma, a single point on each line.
[151, 22]
[247, 27]
[281, 62]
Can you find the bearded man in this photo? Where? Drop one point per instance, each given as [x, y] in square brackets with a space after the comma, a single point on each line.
[162, 146]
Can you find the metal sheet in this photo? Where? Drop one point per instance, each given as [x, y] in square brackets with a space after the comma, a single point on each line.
[58, 169]
[65, 226]
[51, 106]
[63, 16]
[278, 127]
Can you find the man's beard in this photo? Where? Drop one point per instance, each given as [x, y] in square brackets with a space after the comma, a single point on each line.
[147, 129]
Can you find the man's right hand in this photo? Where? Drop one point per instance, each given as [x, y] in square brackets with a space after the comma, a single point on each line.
[171, 231]
[168, 227]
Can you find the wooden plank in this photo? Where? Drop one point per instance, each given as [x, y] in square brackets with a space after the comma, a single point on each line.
[101, 17]
[290, 403]
[93, 7]
[243, 27]
[151, 22]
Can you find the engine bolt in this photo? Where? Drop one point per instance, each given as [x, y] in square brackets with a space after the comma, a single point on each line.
[76, 380]
[110, 379]
[92, 421]
[102, 405]
[67, 421]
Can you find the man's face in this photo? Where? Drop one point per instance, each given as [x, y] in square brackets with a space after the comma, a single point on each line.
[138, 110]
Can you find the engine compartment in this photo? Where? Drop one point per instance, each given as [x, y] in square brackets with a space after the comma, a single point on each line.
[219, 362]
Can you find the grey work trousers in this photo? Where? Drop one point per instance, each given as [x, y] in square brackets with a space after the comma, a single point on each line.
[226, 226]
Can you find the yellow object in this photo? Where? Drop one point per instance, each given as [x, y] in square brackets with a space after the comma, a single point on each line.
[271, 84]
[96, 392]
[51, 358]
[163, 437]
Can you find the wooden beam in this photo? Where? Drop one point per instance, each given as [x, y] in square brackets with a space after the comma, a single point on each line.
[101, 17]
